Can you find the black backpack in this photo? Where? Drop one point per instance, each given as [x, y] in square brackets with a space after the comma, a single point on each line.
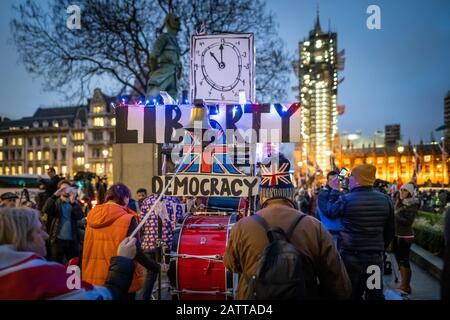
[279, 274]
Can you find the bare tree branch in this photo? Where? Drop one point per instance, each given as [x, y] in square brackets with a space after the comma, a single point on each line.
[116, 39]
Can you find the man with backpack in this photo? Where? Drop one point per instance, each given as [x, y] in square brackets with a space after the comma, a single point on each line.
[281, 253]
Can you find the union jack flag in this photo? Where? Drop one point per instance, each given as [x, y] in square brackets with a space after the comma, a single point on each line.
[214, 159]
[275, 175]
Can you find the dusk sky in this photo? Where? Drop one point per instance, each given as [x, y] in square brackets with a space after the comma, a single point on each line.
[399, 74]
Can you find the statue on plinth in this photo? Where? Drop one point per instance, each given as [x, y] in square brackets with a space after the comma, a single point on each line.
[164, 61]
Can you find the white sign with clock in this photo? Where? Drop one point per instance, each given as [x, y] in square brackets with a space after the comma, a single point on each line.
[222, 65]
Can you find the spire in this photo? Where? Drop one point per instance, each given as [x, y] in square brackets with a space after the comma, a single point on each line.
[317, 28]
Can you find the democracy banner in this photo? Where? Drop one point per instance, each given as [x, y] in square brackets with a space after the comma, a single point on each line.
[257, 123]
[207, 185]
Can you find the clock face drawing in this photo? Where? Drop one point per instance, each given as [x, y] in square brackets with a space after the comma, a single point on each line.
[222, 66]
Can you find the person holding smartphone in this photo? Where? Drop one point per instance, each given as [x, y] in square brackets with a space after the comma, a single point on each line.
[64, 211]
[332, 225]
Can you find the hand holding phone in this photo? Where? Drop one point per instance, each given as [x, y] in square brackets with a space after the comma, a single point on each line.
[343, 174]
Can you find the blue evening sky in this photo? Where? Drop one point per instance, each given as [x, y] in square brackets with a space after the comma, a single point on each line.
[399, 74]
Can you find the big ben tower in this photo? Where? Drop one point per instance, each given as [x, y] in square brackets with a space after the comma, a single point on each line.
[318, 67]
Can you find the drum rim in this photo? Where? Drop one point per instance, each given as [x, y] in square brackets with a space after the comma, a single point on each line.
[231, 221]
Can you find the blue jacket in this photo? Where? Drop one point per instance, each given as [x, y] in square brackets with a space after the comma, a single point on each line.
[332, 225]
[367, 219]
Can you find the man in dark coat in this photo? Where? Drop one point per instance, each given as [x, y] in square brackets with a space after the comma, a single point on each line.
[50, 185]
[367, 230]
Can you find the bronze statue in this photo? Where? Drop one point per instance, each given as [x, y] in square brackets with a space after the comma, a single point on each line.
[164, 60]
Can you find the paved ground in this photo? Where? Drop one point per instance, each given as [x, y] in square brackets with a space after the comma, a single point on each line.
[424, 287]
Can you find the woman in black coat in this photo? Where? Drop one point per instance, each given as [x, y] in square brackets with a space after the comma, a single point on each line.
[405, 211]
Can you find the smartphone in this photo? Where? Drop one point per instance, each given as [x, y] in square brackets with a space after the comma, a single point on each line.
[343, 174]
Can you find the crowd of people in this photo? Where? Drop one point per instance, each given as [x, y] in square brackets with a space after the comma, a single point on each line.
[342, 232]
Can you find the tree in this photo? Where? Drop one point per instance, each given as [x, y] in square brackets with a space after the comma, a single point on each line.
[116, 38]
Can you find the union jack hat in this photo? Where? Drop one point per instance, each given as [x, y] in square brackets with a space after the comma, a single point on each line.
[275, 178]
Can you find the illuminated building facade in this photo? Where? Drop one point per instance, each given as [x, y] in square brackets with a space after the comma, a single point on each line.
[318, 68]
[392, 159]
[447, 122]
[398, 161]
[70, 139]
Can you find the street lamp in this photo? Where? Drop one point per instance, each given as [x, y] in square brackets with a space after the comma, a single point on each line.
[87, 166]
[105, 155]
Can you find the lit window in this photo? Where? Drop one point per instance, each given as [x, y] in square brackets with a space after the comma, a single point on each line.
[46, 140]
[98, 109]
[13, 141]
[380, 160]
[63, 141]
[31, 155]
[1, 142]
[39, 155]
[391, 160]
[30, 170]
[64, 170]
[19, 141]
[369, 160]
[79, 148]
[113, 122]
[1, 170]
[55, 142]
[55, 124]
[427, 158]
[1, 156]
[319, 44]
[80, 161]
[19, 170]
[319, 58]
[47, 155]
[39, 170]
[79, 136]
[98, 122]
[403, 159]
[347, 161]
[13, 170]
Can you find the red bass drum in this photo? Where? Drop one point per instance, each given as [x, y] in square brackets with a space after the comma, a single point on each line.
[198, 248]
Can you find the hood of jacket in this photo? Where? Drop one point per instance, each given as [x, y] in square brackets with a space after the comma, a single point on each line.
[9, 256]
[105, 214]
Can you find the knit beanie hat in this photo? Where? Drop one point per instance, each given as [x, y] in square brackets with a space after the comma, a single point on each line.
[364, 174]
[408, 187]
[276, 180]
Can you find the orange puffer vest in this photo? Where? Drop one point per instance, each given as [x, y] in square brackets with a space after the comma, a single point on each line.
[107, 226]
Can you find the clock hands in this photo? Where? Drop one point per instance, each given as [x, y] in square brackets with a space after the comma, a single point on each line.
[220, 64]
[221, 53]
